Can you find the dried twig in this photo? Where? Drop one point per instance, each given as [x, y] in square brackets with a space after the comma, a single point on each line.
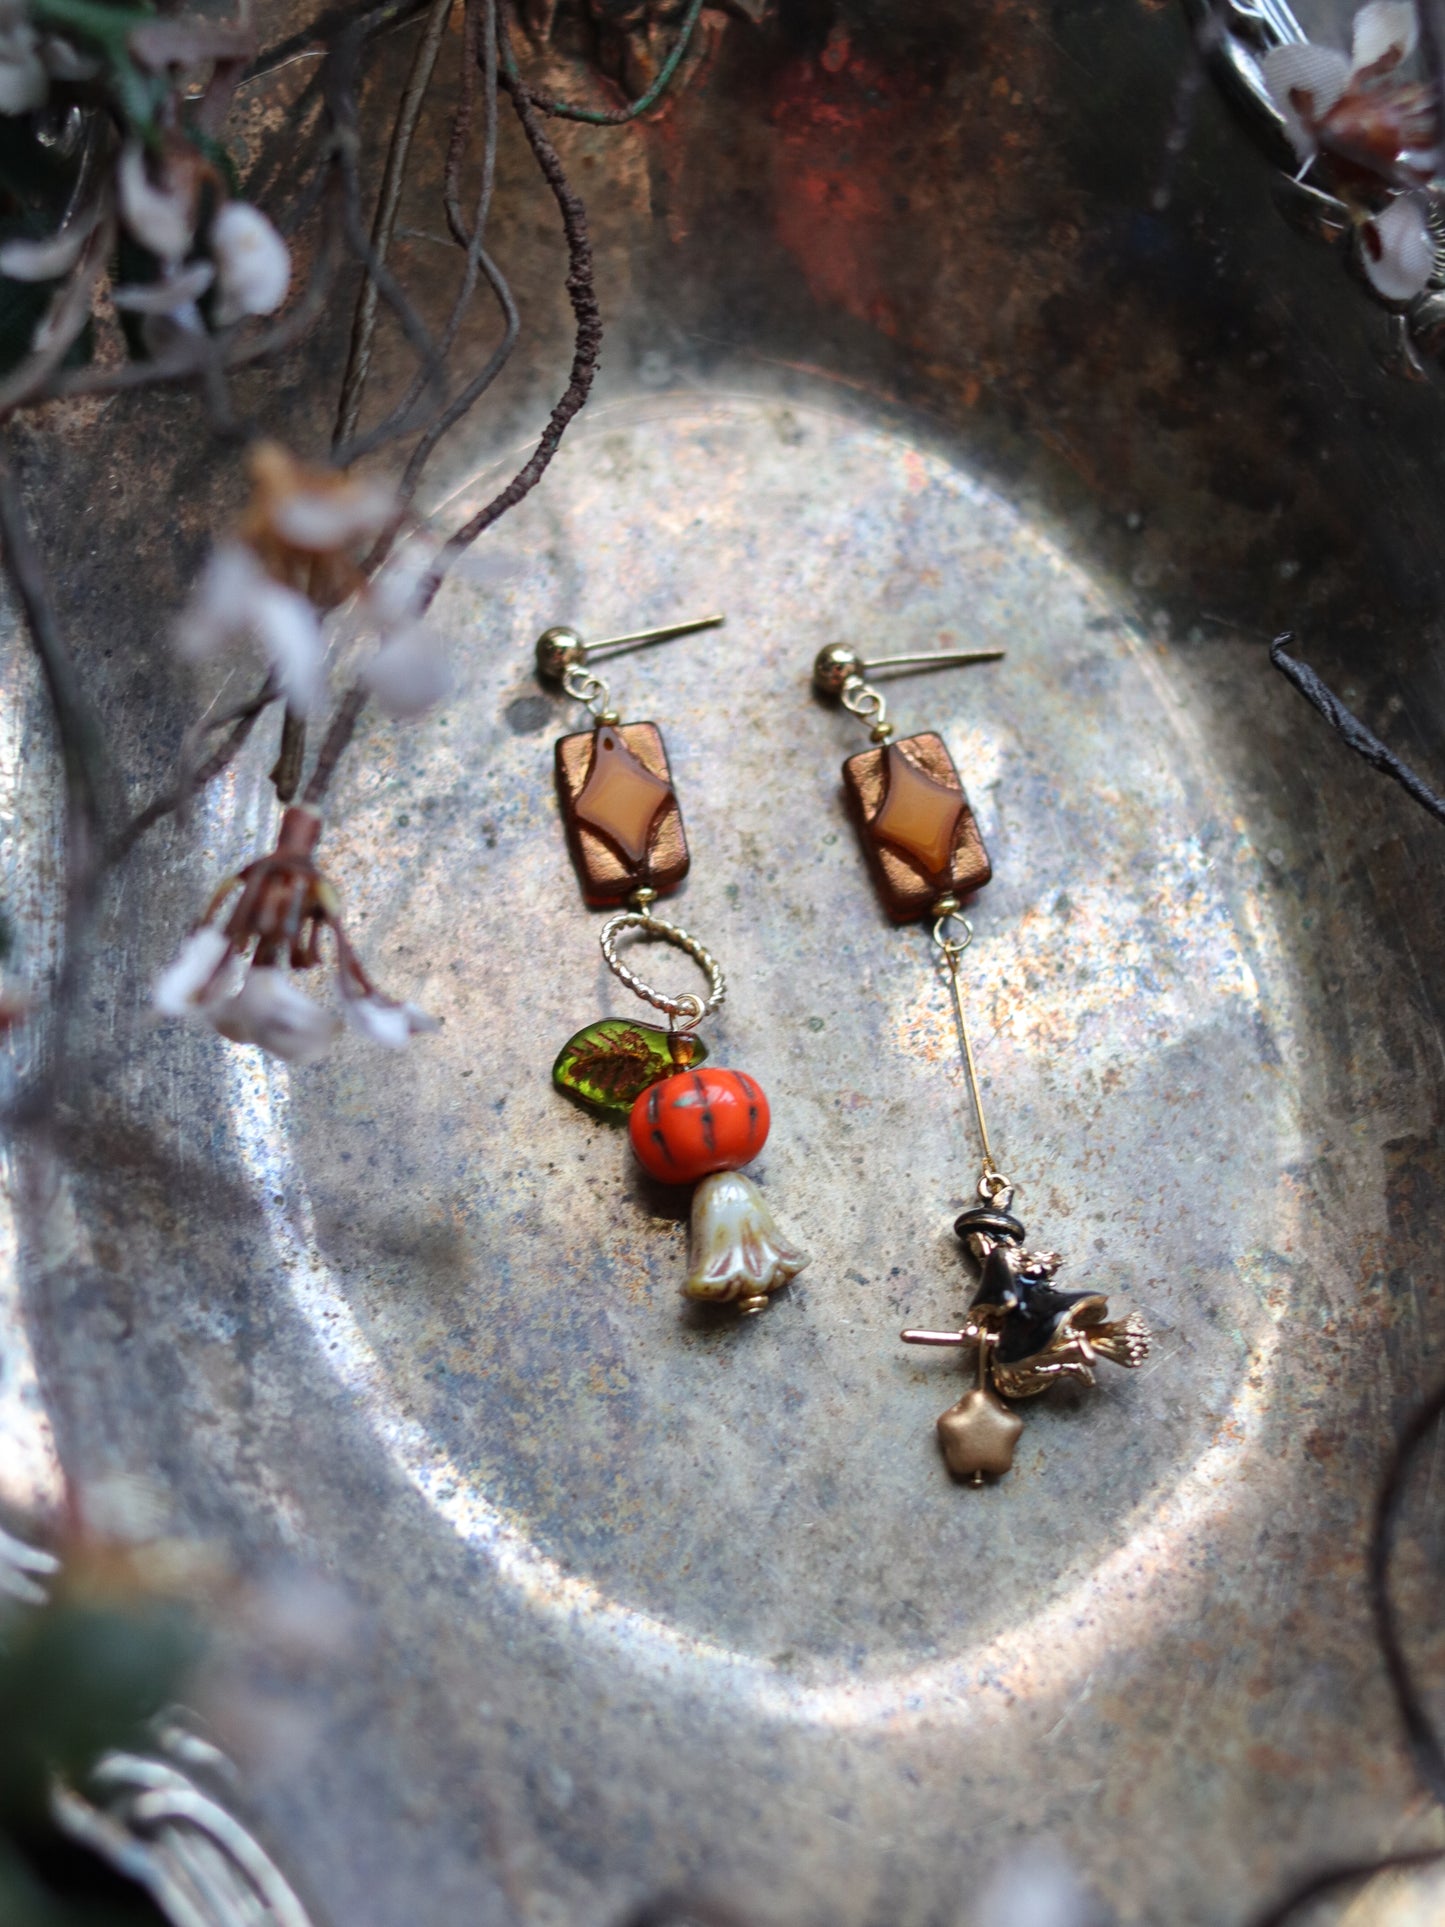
[582, 293]
[479, 27]
[581, 290]
[81, 763]
[358, 361]
[241, 721]
[1351, 730]
[338, 738]
[617, 116]
[340, 86]
[290, 758]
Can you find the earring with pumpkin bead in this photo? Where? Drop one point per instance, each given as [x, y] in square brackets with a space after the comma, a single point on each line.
[689, 1122]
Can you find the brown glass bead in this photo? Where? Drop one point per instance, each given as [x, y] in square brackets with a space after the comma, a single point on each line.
[917, 828]
[624, 827]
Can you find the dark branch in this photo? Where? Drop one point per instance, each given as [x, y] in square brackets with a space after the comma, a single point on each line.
[1351, 730]
[582, 293]
[617, 116]
[242, 720]
[1329, 1880]
[338, 738]
[286, 771]
[81, 763]
[363, 332]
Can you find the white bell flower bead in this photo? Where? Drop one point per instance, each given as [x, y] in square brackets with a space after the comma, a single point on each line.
[735, 1251]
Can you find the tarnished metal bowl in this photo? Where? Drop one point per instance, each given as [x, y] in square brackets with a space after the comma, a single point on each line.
[922, 331]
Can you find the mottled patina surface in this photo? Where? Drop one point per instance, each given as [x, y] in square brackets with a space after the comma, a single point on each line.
[903, 352]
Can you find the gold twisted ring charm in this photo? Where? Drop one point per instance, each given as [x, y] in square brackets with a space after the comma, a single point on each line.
[689, 1008]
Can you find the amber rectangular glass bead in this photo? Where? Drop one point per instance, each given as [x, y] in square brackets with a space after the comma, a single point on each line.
[624, 827]
[917, 828]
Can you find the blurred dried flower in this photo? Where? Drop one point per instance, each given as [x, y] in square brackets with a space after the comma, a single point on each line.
[236, 599]
[159, 213]
[409, 673]
[386, 1022]
[25, 260]
[1356, 108]
[190, 981]
[285, 904]
[1036, 1887]
[24, 83]
[175, 292]
[309, 525]
[253, 263]
[270, 1012]
[1397, 248]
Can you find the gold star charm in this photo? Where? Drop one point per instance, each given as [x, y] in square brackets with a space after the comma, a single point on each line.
[978, 1436]
[621, 800]
[920, 815]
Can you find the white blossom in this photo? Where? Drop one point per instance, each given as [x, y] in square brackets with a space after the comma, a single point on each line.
[386, 1022]
[270, 1012]
[24, 83]
[253, 263]
[159, 215]
[64, 62]
[1035, 1888]
[1305, 80]
[1398, 249]
[167, 307]
[234, 598]
[175, 293]
[182, 987]
[409, 673]
[1385, 33]
[47, 260]
[23, 1568]
[346, 511]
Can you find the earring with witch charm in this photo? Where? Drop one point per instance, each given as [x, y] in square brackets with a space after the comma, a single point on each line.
[926, 855]
[687, 1124]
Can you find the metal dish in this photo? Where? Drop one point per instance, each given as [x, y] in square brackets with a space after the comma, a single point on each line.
[903, 349]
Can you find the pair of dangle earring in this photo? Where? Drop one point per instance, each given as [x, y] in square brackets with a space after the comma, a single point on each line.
[688, 1124]
[927, 856]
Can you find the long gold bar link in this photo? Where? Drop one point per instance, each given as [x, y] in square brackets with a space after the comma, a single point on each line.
[992, 1183]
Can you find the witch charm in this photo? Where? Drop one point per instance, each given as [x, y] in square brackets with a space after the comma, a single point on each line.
[1028, 1334]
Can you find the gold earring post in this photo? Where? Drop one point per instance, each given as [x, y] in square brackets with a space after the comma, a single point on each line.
[641, 638]
[835, 667]
[560, 648]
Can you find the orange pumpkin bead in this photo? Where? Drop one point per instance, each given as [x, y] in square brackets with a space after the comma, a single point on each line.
[698, 1121]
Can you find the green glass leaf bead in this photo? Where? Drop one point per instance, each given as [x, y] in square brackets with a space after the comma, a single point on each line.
[609, 1065]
